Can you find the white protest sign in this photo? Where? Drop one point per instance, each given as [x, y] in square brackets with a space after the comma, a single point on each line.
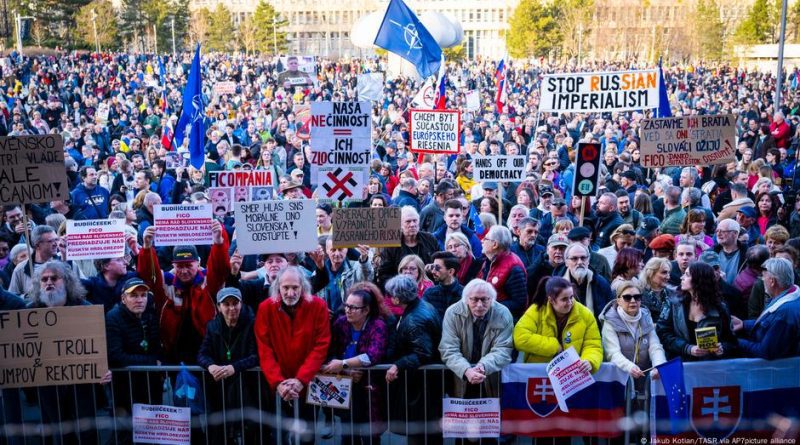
[275, 226]
[566, 376]
[227, 87]
[231, 178]
[688, 141]
[93, 239]
[499, 168]
[595, 92]
[101, 117]
[341, 139]
[330, 391]
[370, 86]
[471, 418]
[473, 100]
[434, 131]
[183, 224]
[32, 169]
[163, 425]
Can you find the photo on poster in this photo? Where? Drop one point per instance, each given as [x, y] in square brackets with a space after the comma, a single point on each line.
[221, 199]
[298, 71]
[260, 193]
[240, 194]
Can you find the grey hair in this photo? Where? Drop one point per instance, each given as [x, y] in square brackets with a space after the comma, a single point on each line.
[692, 194]
[611, 197]
[477, 285]
[460, 238]
[16, 250]
[275, 288]
[692, 172]
[55, 220]
[407, 211]
[409, 183]
[782, 270]
[502, 236]
[574, 245]
[672, 195]
[730, 224]
[152, 198]
[72, 284]
[528, 221]
[37, 232]
[402, 287]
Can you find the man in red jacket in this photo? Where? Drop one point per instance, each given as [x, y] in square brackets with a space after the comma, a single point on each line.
[293, 334]
[780, 130]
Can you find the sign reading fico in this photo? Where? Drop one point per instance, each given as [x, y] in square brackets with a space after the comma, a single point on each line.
[434, 131]
[688, 141]
[587, 173]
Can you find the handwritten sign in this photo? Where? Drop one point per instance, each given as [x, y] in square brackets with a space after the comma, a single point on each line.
[52, 346]
[499, 168]
[95, 238]
[32, 169]
[471, 418]
[377, 227]
[688, 141]
[183, 224]
[159, 424]
[594, 92]
[275, 226]
[227, 87]
[566, 377]
[434, 131]
[330, 391]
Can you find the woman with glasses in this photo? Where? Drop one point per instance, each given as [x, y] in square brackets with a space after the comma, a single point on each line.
[550, 172]
[359, 339]
[469, 266]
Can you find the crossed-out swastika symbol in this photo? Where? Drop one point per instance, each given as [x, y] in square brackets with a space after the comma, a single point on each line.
[340, 184]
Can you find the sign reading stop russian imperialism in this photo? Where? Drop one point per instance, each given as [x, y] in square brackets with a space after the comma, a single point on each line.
[592, 92]
[688, 141]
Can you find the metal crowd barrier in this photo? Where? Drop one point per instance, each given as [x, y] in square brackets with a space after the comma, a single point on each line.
[259, 422]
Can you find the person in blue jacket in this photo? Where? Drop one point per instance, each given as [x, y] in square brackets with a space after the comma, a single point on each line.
[454, 222]
[90, 199]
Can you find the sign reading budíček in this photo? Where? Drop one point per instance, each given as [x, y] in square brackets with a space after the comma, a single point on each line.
[688, 141]
[470, 418]
[52, 346]
[183, 224]
[32, 169]
[377, 227]
[499, 168]
[434, 131]
[275, 226]
[594, 92]
[93, 239]
[162, 425]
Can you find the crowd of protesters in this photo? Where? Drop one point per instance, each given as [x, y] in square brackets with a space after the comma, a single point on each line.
[486, 273]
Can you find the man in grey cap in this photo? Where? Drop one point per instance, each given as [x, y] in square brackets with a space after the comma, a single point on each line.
[551, 263]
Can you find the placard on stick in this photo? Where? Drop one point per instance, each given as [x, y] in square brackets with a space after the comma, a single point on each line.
[377, 227]
[499, 168]
[688, 141]
[275, 226]
[32, 169]
[52, 346]
[93, 239]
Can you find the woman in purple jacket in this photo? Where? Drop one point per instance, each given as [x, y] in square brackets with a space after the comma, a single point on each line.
[359, 340]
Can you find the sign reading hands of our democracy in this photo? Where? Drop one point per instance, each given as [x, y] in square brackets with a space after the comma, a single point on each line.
[377, 227]
[181, 224]
[93, 239]
[499, 168]
[593, 92]
[52, 346]
[32, 169]
[341, 139]
[434, 131]
[275, 226]
[688, 141]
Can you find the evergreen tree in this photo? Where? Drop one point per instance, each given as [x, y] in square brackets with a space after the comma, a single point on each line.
[220, 30]
[534, 29]
[709, 30]
[757, 27]
[268, 29]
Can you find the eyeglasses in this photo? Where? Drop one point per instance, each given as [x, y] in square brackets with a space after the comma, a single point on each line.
[719, 232]
[628, 298]
[482, 300]
[48, 278]
[578, 258]
[349, 307]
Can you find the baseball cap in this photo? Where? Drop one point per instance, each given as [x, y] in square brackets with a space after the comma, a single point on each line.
[558, 202]
[748, 211]
[630, 174]
[579, 233]
[133, 283]
[710, 257]
[226, 292]
[489, 185]
[647, 226]
[184, 253]
[545, 191]
[558, 240]
[663, 242]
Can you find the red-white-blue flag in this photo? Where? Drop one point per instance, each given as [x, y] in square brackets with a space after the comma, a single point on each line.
[441, 93]
[500, 81]
[166, 136]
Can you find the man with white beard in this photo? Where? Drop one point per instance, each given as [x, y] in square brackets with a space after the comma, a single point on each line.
[55, 284]
[592, 290]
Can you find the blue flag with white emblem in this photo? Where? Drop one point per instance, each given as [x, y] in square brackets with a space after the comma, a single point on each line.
[402, 33]
[663, 109]
[671, 374]
[192, 114]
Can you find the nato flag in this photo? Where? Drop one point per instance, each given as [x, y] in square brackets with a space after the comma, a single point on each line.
[403, 34]
[192, 114]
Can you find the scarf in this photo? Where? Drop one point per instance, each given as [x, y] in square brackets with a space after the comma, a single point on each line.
[631, 321]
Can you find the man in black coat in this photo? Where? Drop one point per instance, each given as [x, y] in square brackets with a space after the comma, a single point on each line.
[447, 290]
[608, 219]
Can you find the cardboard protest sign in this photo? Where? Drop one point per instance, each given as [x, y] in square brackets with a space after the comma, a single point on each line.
[341, 137]
[183, 224]
[595, 92]
[330, 391]
[471, 418]
[473, 100]
[94, 239]
[227, 87]
[275, 226]
[162, 425]
[499, 168]
[688, 141]
[232, 178]
[52, 346]
[566, 377]
[434, 131]
[101, 116]
[377, 227]
[32, 169]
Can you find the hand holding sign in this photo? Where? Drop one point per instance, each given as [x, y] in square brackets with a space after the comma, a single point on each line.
[148, 236]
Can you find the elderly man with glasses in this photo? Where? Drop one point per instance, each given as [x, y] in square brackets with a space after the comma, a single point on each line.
[592, 290]
[732, 252]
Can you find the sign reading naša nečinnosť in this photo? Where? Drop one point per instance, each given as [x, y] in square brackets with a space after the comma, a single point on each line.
[594, 92]
[52, 346]
[32, 169]
[688, 141]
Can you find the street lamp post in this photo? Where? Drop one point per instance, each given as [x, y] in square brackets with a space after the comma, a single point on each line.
[155, 37]
[274, 35]
[781, 42]
[94, 26]
[18, 21]
[173, 37]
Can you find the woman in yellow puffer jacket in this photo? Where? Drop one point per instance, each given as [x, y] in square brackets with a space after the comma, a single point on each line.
[555, 322]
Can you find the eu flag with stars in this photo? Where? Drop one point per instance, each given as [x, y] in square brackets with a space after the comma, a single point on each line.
[192, 114]
[402, 33]
[671, 374]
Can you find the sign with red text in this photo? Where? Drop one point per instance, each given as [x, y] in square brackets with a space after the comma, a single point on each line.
[688, 141]
[232, 178]
[434, 131]
[183, 224]
[93, 239]
[471, 418]
[566, 376]
[227, 87]
[594, 92]
[160, 424]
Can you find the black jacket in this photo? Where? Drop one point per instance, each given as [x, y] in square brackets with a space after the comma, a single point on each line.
[124, 336]
[442, 297]
[416, 340]
[240, 341]
[673, 331]
[605, 227]
[10, 302]
[426, 246]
